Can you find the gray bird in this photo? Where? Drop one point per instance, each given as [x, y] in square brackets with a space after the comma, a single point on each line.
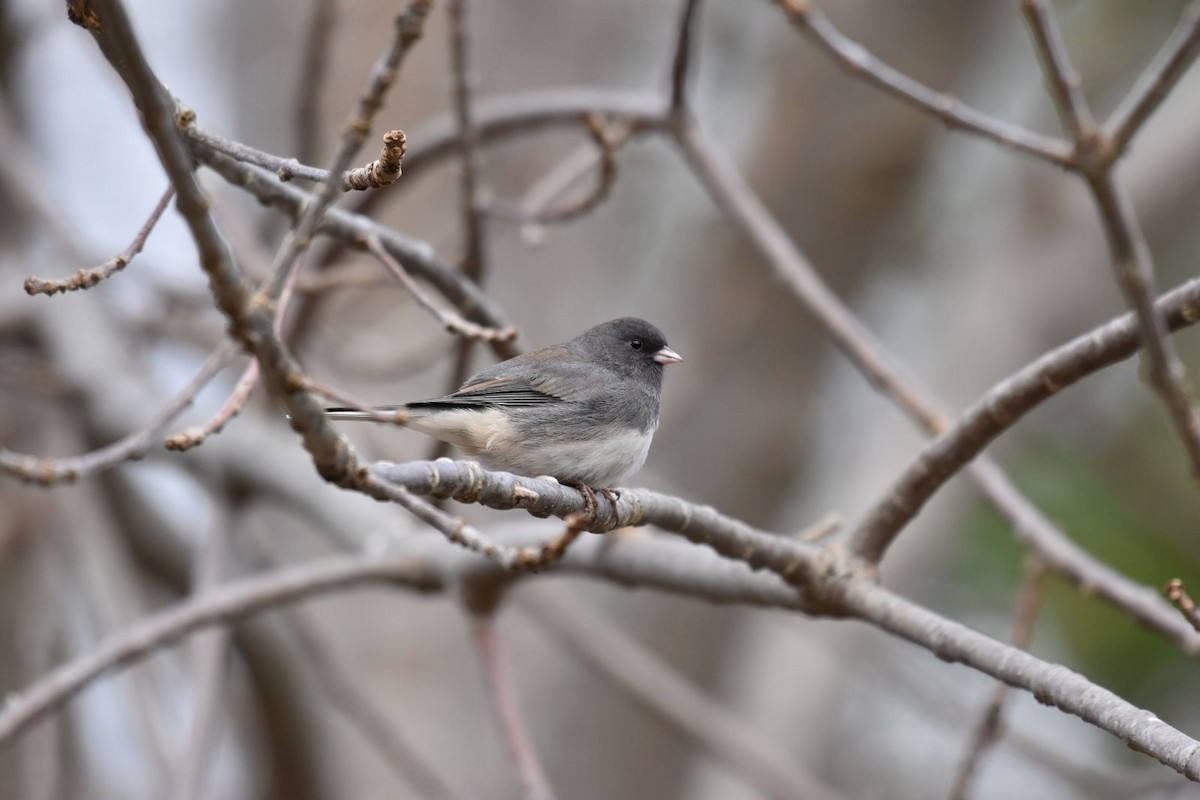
[583, 411]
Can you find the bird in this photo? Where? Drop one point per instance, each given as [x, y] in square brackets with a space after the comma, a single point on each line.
[583, 411]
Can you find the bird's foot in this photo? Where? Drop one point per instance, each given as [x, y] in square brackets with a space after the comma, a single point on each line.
[590, 506]
[589, 497]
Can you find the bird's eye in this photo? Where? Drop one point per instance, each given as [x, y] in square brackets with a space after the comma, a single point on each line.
[636, 344]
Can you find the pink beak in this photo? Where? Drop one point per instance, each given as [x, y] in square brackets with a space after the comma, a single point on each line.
[667, 356]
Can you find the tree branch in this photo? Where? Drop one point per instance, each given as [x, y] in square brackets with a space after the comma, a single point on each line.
[1156, 82]
[954, 114]
[88, 277]
[1002, 406]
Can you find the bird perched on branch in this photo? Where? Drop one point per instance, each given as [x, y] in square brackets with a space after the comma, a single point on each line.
[583, 411]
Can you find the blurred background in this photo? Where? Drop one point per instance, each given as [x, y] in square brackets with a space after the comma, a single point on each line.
[966, 260]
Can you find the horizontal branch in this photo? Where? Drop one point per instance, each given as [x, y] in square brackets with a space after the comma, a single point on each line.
[467, 482]
[1051, 684]
[1002, 406]
[424, 565]
[841, 587]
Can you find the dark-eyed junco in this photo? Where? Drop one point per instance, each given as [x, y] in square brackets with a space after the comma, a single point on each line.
[583, 411]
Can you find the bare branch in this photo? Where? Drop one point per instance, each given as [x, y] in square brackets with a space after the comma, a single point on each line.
[354, 230]
[381, 172]
[954, 114]
[745, 209]
[467, 482]
[89, 277]
[237, 400]
[731, 192]
[1050, 683]
[451, 321]
[534, 208]
[1062, 80]
[434, 567]
[49, 471]
[405, 33]
[195, 435]
[1002, 406]
[841, 588]
[460, 533]
[250, 316]
[1156, 82]
[521, 113]
[1134, 266]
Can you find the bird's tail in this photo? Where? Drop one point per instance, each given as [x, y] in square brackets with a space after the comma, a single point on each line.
[376, 414]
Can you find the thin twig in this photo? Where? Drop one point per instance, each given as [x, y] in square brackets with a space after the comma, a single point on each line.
[1183, 601]
[514, 114]
[49, 471]
[860, 63]
[353, 230]
[535, 557]
[1156, 82]
[88, 277]
[990, 727]
[233, 405]
[1061, 78]
[534, 209]
[503, 697]
[406, 31]
[383, 171]
[454, 323]
[1134, 267]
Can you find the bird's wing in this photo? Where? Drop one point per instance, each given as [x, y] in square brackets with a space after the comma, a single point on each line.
[550, 375]
[507, 391]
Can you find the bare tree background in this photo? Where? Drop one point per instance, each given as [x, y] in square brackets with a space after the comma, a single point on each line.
[941, 210]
